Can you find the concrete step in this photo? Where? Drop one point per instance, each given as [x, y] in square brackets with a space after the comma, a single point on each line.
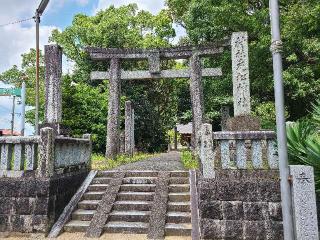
[132, 205]
[179, 187]
[179, 180]
[142, 174]
[179, 206]
[88, 204]
[97, 187]
[179, 197]
[178, 217]
[135, 196]
[179, 174]
[138, 187]
[76, 226]
[126, 227]
[129, 216]
[139, 180]
[93, 195]
[101, 180]
[108, 174]
[182, 229]
[83, 215]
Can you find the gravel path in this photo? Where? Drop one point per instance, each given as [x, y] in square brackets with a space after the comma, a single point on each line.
[163, 162]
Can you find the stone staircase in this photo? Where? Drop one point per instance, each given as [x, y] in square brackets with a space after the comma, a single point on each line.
[131, 210]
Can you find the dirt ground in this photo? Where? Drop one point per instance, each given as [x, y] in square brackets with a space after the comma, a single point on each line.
[80, 236]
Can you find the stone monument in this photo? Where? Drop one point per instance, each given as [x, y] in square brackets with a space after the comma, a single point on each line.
[242, 120]
[53, 96]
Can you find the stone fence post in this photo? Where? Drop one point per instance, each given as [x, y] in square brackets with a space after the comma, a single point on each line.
[129, 128]
[304, 203]
[225, 115]
[88, 137]
[206, 151]
[46, 147]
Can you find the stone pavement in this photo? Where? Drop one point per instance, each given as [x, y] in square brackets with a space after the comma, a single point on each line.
[163, 162]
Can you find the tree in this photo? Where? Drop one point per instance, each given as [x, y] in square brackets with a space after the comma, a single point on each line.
[123, 27]
[209, 20]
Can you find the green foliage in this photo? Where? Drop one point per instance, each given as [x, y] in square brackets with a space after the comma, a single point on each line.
[188, 160]
[304, 144]
[98, 161]
[170, 135]
[85, 110]
[316, 114]
[267, 115]
[266, 112]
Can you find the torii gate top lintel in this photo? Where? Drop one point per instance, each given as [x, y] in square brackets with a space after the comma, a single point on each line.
[154, 57]
[180, 52]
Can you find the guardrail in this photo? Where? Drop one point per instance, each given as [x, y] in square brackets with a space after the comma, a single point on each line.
[237, 150]
[247, 149]
[72, 151]
[18, 153]
[43, 155]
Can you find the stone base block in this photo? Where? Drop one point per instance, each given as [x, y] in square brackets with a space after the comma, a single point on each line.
[239, 230]
[58, 128]
[240, 204]
[243, 123]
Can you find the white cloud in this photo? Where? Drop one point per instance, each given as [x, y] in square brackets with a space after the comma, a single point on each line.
[13, 10]
[16, 40]
[152, 6]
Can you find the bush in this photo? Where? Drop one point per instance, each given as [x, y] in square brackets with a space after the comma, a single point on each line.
[189, 160]
[304, 143]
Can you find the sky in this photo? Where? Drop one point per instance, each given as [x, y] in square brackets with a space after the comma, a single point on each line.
[17, 39]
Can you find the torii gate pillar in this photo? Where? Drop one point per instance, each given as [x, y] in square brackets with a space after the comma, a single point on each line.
[113, 131]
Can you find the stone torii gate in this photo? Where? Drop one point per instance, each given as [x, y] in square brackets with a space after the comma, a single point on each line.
[154, 57]
[241, 91]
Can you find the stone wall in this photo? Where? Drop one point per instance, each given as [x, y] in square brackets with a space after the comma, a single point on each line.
[32, 205]
[240, 204]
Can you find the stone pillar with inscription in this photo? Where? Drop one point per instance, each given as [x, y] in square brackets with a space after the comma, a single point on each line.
[113, 131]
[242, 120]
[225, 115]
[304, 203]
[53, 96]
[196, 93]
[240, 73]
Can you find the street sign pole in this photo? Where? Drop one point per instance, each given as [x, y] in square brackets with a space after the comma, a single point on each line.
[276, 49]
[23, 108]
[12, 118]
[36, 117]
